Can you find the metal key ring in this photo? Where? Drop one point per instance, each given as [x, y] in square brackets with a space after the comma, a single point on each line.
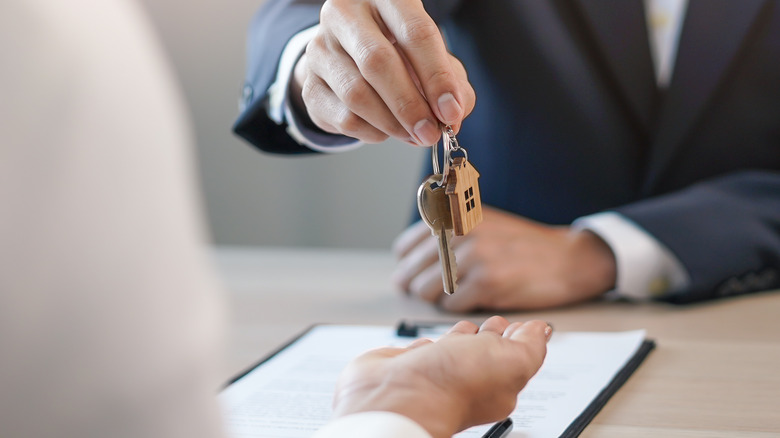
[435, 159]
[447, 139]
[450, 144]
[447, 143]
[446, 161]
[454, 145]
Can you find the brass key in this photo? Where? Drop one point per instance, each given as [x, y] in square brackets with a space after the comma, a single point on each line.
[434, 206]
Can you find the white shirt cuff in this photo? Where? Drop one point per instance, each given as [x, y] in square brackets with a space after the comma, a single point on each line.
[372, 425]
[279, 107]
[645, 267]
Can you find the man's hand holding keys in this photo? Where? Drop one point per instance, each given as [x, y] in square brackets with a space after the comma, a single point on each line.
[379, 69]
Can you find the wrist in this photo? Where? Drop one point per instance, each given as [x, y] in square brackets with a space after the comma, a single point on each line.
[594, 268]
[428, 406]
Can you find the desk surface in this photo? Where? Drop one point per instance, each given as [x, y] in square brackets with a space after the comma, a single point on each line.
[714, 374]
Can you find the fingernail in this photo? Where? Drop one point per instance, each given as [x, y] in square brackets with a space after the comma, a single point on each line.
[548, 331]
[426, 132]
[449, 108]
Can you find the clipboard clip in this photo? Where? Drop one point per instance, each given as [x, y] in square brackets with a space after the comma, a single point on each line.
[406, 329]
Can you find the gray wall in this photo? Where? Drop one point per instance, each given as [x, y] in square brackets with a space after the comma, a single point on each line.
[361, 198]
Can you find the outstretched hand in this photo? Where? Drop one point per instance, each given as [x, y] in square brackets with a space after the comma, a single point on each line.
[507, 262]
[379, 69]
[470, 376]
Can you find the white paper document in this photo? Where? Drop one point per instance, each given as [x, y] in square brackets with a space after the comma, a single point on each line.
[290, 394]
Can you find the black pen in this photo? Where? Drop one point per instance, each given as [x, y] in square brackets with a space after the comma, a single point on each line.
[499, 430]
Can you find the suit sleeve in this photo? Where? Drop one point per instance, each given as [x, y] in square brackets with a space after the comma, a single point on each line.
[273, 26]
[726, 231]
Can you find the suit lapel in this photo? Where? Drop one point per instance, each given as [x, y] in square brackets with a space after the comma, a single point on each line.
[620, 34]
[712, 35]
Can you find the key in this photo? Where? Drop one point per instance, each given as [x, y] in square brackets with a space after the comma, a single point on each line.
[434, 206]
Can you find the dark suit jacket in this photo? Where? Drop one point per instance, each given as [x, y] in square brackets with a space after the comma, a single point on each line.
[569, 121]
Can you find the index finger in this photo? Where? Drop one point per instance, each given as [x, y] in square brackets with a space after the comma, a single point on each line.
[421, 42]
[364, 34]
[532, 336]
[463, 328]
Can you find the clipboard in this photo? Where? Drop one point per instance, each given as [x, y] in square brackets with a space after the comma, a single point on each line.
[251, 378]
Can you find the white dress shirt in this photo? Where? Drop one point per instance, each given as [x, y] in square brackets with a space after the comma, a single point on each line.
[664, 24]
[372, 425]
[645, 267]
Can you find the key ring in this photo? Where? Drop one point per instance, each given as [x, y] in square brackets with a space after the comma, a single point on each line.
[435, 159]
[450, 143]
[454, 145]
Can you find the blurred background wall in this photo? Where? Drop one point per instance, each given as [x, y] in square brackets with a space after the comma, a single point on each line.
[362, 198]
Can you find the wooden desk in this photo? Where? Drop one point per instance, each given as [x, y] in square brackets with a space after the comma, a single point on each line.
[715, 373]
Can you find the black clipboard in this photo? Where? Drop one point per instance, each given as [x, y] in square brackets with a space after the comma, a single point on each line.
[595, 406]
[501, 428]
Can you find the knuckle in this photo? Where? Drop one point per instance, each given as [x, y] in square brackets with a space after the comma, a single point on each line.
[307, 92]
[311, 90]
[457, 64]
[355, 93]
[417, 31]
[312, 95]
[322, 124]
[349, 123]
[373, 58]
[409, 105]
[440, 77]
[329, 10]
[316, 46]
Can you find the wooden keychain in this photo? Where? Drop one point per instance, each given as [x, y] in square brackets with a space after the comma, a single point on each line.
[461, 186]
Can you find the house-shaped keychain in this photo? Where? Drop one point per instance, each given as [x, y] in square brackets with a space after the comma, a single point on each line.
[463, 192]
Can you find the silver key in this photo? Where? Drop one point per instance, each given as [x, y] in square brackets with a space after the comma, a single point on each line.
[434, 206]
